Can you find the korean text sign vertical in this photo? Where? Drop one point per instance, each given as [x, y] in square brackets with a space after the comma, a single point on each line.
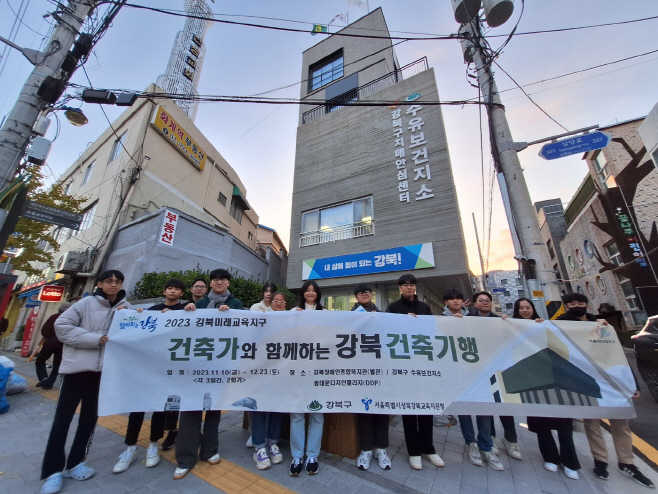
[168, 230]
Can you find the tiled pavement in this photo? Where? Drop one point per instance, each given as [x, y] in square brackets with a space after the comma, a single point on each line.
[24, 431]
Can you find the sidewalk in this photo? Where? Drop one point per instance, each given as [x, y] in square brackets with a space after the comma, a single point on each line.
[24, 432]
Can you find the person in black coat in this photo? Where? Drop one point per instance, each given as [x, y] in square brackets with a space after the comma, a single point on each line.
[51, 347]
[418, 429]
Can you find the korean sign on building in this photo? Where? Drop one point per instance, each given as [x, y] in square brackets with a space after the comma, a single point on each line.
[178, 138]
[168, 229]
[379, 261]
[325, 361]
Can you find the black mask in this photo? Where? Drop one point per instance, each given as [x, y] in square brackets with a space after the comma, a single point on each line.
[578, 311]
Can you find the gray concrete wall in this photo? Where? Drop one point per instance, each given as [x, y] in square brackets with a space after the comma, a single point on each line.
[196, 245]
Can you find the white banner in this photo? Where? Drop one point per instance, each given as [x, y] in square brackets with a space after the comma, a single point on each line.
[325, 361]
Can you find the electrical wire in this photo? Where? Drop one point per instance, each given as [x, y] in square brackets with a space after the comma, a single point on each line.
[22, 16]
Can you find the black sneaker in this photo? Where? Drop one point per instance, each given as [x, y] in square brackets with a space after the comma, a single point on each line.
[296, 467]
[601, 470]
[633, 472]
[312, 466]
[169, 441]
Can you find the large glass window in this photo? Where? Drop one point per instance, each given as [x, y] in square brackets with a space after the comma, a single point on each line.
[326, 71]
[613, 253]
[118, 147]
[236, 211]
[87, 176]
[351, 213]
[628, 291]
[606, 177]
[88, 218]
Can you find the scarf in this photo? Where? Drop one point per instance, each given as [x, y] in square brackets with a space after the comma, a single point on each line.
[217, 300]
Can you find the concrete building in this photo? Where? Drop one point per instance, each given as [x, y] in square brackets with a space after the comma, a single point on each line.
[611, 242]
[505, 287]
[271, 248]
[373, 192]
[152, 159]
[550, 215]
[649, 133]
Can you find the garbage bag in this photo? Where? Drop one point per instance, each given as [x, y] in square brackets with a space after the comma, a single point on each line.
[16, 384]
[7, 362]
[4, 377]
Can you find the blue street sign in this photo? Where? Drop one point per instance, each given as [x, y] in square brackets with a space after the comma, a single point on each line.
[574, 145]
[498, 290]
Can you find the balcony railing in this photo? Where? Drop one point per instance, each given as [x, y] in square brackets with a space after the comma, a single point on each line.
[339, 233]
[366, 90]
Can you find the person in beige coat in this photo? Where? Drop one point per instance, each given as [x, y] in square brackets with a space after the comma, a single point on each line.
[83, 330]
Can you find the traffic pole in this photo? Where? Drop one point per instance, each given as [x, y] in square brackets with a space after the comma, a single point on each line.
[532, 253]
[17, 128]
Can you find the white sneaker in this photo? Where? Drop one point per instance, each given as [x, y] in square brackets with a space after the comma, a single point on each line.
[474, 454]
[572, 474]
[513, 450]
[126, 459]
[551, 467]
[382, 458]
[250, 443]
[214, 459]
[152, 455]
[363, 461]
[179, 473]
[435, 460]
[262, 460]
[275, 454]
[415, 462]
[492, 459]
[494, 448]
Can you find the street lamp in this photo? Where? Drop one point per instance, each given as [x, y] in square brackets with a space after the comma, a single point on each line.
[75, 116]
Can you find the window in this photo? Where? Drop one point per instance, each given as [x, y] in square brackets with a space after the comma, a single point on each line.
[551, 251]
[509, 306]
[628, 291]
[87, 176]
[506, 293]
[580, 290]
[348, 214]
[327, 70]
[88, 217]
[503, 281]
[519, 281]
[61, 235]
[68, 187]
[589, 289]
[236, 211]
[521, 294]
[579, 256]
[589, 248]
[572, 263]
[117, 148]
[613, 253]
[222, 199]
[601, 165]
[498, 309]
[600, 284]
[250, 236]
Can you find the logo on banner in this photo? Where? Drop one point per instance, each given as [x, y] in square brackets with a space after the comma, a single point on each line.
[366, 401]
[51, 293]
[413, 96]
[598, 335]
[314, 406]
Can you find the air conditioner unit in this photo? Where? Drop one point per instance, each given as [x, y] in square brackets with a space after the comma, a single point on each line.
[70, 262]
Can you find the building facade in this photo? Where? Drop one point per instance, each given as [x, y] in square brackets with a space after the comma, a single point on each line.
[611, 242]
[553, 228]
[373, 194]
[505, 287]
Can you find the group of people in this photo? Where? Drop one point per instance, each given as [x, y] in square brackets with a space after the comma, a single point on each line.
[82, 330]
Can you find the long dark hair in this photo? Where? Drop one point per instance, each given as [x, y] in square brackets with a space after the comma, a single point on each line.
[300, 298]
[517, 304]
[271, 286]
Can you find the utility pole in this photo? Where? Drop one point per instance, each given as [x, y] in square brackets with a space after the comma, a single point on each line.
[17, 129]
[530, 250]
[477, 239]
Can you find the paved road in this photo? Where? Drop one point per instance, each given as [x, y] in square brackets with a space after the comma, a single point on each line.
[646, 423]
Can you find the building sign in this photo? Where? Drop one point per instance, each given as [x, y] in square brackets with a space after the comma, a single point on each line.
[413, 182]
[51, 293]
[178, 138]
[30, 324]
[49, 214]
[631, 237]
[168, 230]
[379, 261]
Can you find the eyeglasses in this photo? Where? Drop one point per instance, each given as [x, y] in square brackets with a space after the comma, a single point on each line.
[367, 292]
[218, 280]
[483, 301]
[407, 285]
[278, 301]
[199, 286]
[113, 282]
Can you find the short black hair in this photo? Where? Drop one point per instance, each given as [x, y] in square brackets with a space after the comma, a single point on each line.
[574, 297]
[175, 283]
[476, 295]
[272, 288]
[407, 278]
[452, 294]
[362, 287]
[200, 279]
[220, 274]
[106, 275]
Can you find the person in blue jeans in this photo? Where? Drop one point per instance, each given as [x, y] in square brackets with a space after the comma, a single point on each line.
[309, 299]
[266, 426]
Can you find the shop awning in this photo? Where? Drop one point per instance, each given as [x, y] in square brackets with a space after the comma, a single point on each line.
[240, 198]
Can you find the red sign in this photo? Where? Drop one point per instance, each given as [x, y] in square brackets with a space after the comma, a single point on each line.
[51, 293]
[28, 331]
[168, 230]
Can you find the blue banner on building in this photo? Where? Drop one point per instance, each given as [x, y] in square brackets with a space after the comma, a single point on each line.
[379, 261]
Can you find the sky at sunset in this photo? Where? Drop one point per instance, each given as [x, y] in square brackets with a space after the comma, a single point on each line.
[259, 140]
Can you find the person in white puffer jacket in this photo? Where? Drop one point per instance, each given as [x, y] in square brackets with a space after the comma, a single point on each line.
[83, 330]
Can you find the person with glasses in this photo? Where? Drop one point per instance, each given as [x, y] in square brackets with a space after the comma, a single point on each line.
[199, 289]
[190, 436]
[373, 428]
[484, 448]
[266, 426]
[418, 429]
[83, 331]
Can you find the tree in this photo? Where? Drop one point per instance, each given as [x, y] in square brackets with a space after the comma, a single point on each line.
[33, 236]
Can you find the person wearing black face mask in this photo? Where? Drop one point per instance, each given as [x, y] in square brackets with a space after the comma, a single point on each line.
[576, 305]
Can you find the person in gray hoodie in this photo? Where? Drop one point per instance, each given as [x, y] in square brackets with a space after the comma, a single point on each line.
[83, 330]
